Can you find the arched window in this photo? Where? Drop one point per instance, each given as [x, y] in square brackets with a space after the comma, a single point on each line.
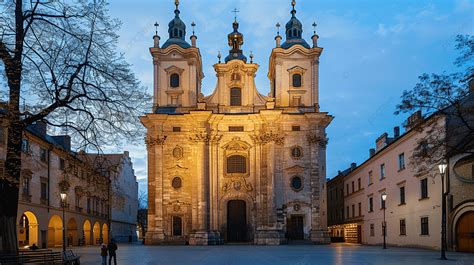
[289, 34]
[296, 80]
[235, 96]
[174, 80]
[295, 33]
[236, 164]
[175, 32]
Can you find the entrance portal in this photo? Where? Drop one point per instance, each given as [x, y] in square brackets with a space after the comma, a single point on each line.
[465, 232]
[236, 221]
[295, 227]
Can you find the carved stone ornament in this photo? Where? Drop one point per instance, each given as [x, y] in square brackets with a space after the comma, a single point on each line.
[204, 136]
[317, 139]
[266, 137]
[152, 141]
[238, 184]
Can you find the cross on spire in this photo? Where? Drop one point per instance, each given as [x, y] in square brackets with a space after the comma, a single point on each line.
[278, 28]
[156, 28]
[235, 11]
[193, 25]
[314, 26]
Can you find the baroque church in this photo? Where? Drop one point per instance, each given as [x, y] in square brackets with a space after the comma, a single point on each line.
[236, 166]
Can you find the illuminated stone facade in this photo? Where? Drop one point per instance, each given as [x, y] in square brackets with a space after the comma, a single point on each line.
[236, 166]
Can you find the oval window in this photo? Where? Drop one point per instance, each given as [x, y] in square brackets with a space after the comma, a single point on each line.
[178, 152]
[296, 183]
[176, 182]
[296, 152]
[464, 168]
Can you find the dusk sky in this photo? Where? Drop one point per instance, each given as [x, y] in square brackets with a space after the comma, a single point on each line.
[373, 50]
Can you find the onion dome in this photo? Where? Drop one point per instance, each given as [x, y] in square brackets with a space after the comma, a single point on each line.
[235, 39]
[177, 31]
[294, 30]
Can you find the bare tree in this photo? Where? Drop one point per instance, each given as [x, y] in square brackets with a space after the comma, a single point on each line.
[60, 63]
[444, 95]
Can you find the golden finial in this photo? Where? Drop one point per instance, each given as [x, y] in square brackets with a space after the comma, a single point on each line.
[176, 3]
[293, 3]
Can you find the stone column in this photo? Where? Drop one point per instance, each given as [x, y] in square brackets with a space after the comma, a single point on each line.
[155, 233]
[202, 235]
[315, 88]
[319, 233]
[156, 83]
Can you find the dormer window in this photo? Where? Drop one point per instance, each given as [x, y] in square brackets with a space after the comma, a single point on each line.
[174, 80]
[296, 80]
[235, 96]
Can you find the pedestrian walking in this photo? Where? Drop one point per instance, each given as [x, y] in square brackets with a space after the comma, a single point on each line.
[112, 247]
[103, 253]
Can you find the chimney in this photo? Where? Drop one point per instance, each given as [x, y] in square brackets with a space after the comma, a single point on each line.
[381, 142]
[371, 152]
[353, 165]
[413, 120]
[40, 128]
[64, 141]
[396, 132]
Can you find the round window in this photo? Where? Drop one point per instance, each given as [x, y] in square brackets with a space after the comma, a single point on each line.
[296, 183]
[176, 183]
[296, 152]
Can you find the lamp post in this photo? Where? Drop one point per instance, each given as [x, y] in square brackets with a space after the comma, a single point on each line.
[384, 197]
[442, 170]
[63, 205]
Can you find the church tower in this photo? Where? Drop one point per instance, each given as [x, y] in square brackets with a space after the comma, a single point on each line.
[294, 68]
[177, 71]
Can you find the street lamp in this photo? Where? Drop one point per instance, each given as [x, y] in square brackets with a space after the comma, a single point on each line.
[63, 205]
[442, 171]
[384, 197]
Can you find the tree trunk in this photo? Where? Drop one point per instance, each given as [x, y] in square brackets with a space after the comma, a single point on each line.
[9, 189]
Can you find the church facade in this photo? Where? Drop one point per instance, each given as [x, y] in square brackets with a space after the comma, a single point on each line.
[236, 166]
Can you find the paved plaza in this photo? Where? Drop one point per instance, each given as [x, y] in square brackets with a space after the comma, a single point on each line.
[341, 254]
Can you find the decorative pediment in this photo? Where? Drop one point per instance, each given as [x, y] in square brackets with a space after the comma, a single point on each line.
[237, 145]
[295, 169]
[174, 69]
[177, 168]
[296, 69]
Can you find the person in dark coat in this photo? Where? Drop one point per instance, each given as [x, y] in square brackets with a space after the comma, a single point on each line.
[103, 253]
[112, 247]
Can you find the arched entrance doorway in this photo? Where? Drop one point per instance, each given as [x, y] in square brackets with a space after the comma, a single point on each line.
[236, 221]
[96, 234]
[105, 233]
[465, 232]
[72, 239]
[28, 230]
[86, 236]
[55, 231]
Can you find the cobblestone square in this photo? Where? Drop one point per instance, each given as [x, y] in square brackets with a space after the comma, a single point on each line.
[343, 254]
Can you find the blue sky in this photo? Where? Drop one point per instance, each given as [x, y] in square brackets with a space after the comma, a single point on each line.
[373, 50]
